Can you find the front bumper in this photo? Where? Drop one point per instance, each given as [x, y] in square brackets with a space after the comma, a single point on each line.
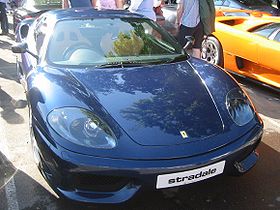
[91, 179]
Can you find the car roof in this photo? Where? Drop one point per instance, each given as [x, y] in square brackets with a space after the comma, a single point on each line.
[80, 13]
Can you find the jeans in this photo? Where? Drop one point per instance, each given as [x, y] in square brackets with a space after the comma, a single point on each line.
[3, 18]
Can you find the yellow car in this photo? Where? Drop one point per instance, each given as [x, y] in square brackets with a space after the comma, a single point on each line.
[248, 46]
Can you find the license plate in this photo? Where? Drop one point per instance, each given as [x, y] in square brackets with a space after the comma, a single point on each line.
[191, 176]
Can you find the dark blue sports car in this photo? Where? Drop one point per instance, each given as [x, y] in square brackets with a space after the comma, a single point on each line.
[116, 106]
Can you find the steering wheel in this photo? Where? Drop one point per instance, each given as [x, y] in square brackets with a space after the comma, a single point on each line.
[72, 48]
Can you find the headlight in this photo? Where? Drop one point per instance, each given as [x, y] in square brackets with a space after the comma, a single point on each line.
[82, 127]
[239, 107]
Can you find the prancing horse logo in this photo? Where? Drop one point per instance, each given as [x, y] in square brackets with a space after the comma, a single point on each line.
[184, 134]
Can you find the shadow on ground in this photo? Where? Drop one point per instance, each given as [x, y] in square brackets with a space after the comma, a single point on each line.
[260, 93]
[24, 190]
[7, 66]
[9, 106]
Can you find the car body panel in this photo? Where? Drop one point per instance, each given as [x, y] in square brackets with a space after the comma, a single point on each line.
[135, 96]
[257, 5]
[259, 53]
[44, 98]
[181, 95]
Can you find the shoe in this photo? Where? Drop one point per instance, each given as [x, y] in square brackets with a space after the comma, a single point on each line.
[4, 33]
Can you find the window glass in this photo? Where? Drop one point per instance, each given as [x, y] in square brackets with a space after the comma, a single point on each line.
[277, 37]
[253, 2]
[40, 33]
[116, 40]
[266, 30]
[235, 5]
[218, 2]
[30, 39]
[226, 3]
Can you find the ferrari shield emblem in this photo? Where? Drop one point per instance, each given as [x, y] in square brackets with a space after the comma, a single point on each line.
[184, 134]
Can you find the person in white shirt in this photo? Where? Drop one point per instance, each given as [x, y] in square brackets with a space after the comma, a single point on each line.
[144, 7]
[189, 24]
[3, 17]
[108, 4]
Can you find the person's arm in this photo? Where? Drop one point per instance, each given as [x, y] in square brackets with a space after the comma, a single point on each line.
[65, 4]
[93, 3]
[119, 4]
[180, 9]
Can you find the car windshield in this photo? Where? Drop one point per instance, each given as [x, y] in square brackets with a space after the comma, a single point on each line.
[111, 41]
[253, 2]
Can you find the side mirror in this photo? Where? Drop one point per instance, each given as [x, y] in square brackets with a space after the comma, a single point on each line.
[19, 47]
[22, 47]
[189, 43]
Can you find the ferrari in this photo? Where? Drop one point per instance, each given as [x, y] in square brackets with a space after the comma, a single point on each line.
[247, 46]
[117, 107]
[255, 5]
[258, 5]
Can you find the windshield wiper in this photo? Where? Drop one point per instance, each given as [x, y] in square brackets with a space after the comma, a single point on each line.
[179, 58]
[124, 64]
[120, 65]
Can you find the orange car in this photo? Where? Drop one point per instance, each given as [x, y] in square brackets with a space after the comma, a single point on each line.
[248, 46]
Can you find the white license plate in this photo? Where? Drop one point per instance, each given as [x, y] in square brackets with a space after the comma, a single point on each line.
[191, 176]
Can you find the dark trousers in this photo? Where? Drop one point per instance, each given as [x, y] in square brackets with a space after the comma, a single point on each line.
[196, 32]
[3, 18]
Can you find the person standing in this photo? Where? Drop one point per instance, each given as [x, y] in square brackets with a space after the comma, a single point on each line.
[144, 7]
[3, 17]
[195, 18]
[108, 4]
[207, 16]
[75, 3]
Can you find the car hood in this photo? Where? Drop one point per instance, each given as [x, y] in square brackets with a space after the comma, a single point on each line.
[155, 105]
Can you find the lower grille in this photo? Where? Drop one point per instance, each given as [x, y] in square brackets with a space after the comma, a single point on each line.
[91, 182]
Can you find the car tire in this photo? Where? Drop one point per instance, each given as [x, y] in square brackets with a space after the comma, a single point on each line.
[18, 71]
[212, 51]
[36, 156]
[14, 23]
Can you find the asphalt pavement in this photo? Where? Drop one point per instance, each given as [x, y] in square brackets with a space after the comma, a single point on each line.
[22, 186]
